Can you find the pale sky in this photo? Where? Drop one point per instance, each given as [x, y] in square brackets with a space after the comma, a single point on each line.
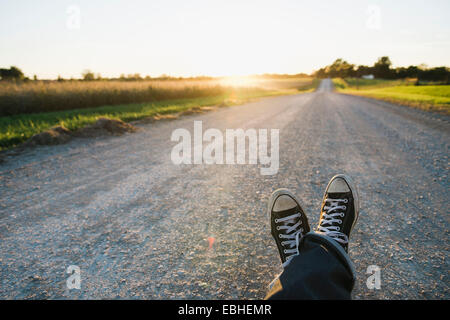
[195, 37]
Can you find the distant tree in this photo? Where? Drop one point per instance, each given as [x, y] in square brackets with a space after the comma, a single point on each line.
[382, 68]
[409, 72]
[321, 73]
[340, 68]
[13, 73]
[135, 76]
[363, 71]
[88, 75]
[441, 74]
[423, 66]
[131, 77]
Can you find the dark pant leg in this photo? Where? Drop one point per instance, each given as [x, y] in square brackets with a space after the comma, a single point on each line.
[322, 270]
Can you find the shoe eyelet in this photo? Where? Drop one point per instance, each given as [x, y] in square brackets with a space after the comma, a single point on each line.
[342, 214]
[279, 236]
[345, 200]
[345, 207]
[276, 220]
[338, 228]
[284, 251]
[278, 228]
[340, 222]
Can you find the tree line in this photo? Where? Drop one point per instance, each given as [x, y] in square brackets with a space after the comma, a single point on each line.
[340, 68]
[383, 69]
[13, 73]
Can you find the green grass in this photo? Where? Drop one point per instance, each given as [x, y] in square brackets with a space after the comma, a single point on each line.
[309, 87]
[18, 128]
[360, 84]
[430, 97]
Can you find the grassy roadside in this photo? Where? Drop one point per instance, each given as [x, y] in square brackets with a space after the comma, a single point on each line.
[429, 97]
[18, 128]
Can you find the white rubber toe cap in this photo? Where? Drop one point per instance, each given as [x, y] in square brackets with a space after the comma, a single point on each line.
[283, 203]
[338, 185]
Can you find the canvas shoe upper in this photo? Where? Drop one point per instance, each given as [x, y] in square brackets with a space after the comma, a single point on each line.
[288, 223]
[339, 210]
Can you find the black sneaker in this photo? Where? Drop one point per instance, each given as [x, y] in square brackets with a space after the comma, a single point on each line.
[288, 223]
[340, 209]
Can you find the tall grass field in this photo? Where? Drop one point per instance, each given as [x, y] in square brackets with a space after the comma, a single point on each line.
[425, 97]
[30, 108]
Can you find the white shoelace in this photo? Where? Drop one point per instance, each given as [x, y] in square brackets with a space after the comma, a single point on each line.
[289, 226]
[333, 211]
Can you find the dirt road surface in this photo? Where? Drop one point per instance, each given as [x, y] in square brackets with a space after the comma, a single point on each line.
[138, 226]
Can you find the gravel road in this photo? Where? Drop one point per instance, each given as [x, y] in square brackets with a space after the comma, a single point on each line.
[138, 226]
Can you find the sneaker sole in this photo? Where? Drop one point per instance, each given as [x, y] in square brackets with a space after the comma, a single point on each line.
[354, 191]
